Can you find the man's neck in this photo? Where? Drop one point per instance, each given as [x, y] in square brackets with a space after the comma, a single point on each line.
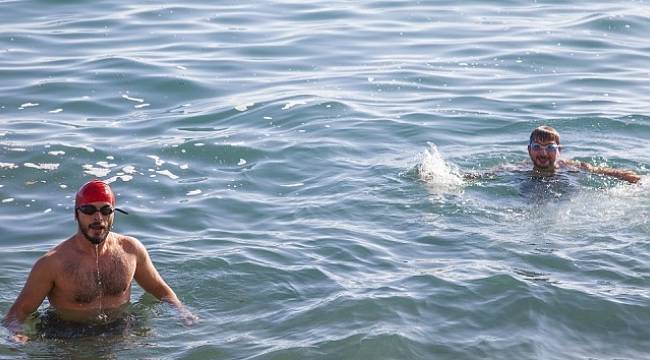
[86, 246]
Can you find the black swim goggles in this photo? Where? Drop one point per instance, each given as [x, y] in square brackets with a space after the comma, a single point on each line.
[104, 210]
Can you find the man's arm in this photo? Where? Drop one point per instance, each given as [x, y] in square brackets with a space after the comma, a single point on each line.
[623, 174]
[150, 280]
[39, 283]
[494, 171]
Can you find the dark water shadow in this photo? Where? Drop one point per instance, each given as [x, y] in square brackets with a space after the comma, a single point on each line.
[538, 189]
[52, 337]
[48, 324]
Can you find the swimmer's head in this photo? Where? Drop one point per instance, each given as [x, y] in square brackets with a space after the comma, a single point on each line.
[92, 198]
[545, 134]
[544, 148]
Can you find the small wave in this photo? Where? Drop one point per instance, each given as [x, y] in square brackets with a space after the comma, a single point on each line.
[434, 170]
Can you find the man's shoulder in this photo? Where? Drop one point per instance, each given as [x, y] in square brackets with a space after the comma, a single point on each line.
[128, 243]
[58, 252]
[52, 259]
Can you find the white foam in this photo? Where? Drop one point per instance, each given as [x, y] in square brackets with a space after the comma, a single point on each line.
[27, 105]
[292, 185]
[124, 178]
[98, 172]
[433, 170]
[56, 153]
[82, 146]
[129, 169]
[127, 97]
[244, 107]
[8, 165]
[168, 174]
[7, 200]
[156, 159]
[194, 192]
[291, 104]
[241, 162]
[41, 166]
[105, 164]
[55, 111]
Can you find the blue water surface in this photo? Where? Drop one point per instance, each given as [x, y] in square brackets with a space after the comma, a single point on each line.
[295, 170]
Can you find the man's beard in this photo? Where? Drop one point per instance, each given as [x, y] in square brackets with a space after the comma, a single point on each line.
[544, 163]
[96, 240]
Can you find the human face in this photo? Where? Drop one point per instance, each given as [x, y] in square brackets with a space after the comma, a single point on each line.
[544, 154]
[95, 227]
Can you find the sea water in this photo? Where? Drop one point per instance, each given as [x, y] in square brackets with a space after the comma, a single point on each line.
[295, 170]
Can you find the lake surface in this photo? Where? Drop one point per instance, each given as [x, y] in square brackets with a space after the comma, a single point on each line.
[295, 171]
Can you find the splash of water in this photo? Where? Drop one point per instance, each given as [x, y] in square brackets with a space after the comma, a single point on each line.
[433, 170]
[622, 206]
[620, 209]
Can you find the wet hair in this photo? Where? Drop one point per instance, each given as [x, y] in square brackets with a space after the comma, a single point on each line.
[545, 133]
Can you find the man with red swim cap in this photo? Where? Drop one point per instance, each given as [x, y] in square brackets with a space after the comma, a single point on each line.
[88, 277]
[95, 191]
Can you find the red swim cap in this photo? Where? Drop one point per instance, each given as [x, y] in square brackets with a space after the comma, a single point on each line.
[94, 191]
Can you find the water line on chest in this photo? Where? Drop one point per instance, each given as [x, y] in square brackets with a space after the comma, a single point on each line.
[101, 316]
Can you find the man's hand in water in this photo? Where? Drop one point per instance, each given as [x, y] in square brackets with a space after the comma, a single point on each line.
[185, 314]
[15, 327]
[187, 317]
[20, 338]
[630, 176]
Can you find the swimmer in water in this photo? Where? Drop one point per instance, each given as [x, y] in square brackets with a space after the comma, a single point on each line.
[90, 274]
[544, 151]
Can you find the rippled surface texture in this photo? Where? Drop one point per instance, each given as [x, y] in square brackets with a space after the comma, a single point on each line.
[292, 168]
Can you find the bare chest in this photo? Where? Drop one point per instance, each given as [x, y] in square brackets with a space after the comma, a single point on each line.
[85, 280]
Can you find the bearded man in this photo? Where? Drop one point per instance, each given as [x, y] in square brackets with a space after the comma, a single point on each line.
[88, 276]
